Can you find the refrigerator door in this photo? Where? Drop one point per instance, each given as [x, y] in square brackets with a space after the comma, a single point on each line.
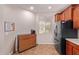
[57, 39]
[59, 31]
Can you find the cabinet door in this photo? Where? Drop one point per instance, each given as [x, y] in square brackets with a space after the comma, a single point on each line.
[57, 17]
[75, 51]
[76, 17]
[62, 16]
[69, 48]
[32, 41]
[68, 13]
[23, 44]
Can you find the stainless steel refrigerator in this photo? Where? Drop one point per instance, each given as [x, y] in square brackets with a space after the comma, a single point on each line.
[63, 30]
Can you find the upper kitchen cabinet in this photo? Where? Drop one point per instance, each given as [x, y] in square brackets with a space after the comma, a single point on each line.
[76, 16]
[68, 13]
[62, 16]
[57, 17]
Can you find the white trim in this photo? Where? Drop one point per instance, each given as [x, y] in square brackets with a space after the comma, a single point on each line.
[11, 53]
[45, 43]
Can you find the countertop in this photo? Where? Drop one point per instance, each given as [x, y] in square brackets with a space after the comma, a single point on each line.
[75, 41]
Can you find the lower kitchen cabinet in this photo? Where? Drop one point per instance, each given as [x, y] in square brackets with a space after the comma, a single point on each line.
[71, 48]
[75, 51]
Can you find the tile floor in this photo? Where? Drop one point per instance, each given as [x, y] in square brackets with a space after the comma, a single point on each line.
[42, 49]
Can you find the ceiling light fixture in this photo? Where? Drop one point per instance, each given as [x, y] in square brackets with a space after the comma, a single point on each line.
[31, 8]
[49, 7]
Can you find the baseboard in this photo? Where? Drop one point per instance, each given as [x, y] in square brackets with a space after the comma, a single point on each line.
[45, 43]
[11, 53]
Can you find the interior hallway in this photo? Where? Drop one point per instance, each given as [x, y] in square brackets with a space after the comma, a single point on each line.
[42, 49]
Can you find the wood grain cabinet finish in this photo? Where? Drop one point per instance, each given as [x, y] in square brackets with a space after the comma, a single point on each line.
[71, 48]
[68, 13]
[62, 16]
[26, 42]
[75, 51]
[57, 17]
[76, 17]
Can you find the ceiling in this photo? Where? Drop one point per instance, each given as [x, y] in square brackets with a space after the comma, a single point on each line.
[38, 8]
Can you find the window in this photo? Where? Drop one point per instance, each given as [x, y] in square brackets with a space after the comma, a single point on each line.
[44, 27]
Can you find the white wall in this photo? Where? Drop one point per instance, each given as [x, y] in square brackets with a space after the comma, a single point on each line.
[45, 38]
[24, 22]
[6, 38]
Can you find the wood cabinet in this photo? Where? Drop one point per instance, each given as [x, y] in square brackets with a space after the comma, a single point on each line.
[62, 16]
[26, 42]
[76, 17]
[57, 17]
[71, 48]
[68, 13]
[75, 51]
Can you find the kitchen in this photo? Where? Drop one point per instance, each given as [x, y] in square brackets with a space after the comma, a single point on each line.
[40, 29]
[69, 30]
